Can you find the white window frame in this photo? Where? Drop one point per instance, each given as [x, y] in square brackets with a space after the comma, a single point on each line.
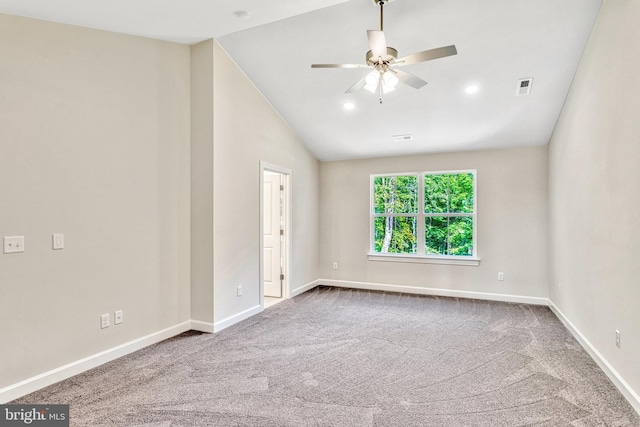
[420, 256]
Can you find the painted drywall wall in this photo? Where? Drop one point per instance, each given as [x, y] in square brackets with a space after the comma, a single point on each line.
[94, 143]
[248, 130]
[202, 182]
[593, 192]
[512, 223]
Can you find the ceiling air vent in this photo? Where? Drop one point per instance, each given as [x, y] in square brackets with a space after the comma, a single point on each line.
[399, 138]
[524, 86]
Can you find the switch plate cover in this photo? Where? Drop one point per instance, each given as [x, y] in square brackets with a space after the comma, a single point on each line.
[104, 321]
[58, 240]
[13, 244]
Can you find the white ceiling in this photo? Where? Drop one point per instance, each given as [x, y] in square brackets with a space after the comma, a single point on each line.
[498, 42]
[182, 21]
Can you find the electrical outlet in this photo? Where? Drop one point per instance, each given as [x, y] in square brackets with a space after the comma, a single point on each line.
[13, 244]
[239, 291]
[335, 265]
[105, 321]
[617, 338]
[118, 317]
[500, 276]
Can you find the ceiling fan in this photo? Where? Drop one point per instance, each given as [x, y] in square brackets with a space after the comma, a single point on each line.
[383, 78]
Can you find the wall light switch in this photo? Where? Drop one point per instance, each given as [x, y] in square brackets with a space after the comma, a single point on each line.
[105, 320]
[13, 244]
[58, 241]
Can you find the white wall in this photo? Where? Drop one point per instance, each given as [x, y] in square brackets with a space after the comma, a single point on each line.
[512, 223]
[94, 143]
[594, 197]
[248, 130]
[233, 129]
[202, 183]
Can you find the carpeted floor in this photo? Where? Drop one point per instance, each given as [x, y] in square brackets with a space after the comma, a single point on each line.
[336, 357]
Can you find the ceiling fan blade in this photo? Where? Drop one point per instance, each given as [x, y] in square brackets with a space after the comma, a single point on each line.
[409, 79]
[340, 66]
[357, 86]
[377, 43]
[427, 55]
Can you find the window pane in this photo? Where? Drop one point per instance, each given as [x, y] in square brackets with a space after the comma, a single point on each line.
[395, 234]
[448, 193]
[449, 235]
[396, 194]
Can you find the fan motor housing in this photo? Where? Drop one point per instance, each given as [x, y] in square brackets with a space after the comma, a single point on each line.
[392, 55]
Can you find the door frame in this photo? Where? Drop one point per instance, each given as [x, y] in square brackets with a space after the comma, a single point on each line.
[287, 174]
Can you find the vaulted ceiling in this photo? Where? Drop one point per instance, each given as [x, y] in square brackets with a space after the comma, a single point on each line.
[499, 42]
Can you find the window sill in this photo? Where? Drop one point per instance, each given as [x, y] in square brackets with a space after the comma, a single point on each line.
[469, 261]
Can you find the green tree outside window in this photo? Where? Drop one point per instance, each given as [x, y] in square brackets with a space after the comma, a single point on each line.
[446, 220]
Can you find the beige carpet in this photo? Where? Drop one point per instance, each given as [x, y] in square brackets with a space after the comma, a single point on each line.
[335, 357]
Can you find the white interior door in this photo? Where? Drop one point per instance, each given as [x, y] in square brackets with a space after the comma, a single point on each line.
[272, 236]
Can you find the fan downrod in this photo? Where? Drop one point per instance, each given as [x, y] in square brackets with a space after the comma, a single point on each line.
[381, 3]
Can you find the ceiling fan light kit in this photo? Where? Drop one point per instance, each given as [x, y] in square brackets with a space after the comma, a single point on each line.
[383, 78]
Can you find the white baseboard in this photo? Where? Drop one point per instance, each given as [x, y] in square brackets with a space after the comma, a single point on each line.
[232, 320]
[53, 376]
[304, 288]
[618, 381]
[434, 291]
[199, 326]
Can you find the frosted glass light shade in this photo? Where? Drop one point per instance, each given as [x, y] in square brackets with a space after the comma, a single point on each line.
[372, 78]
[390, 79]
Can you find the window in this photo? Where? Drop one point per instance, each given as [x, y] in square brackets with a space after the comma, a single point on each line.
[429, 215]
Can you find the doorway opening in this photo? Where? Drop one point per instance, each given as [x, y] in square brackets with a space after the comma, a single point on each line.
[275, 236]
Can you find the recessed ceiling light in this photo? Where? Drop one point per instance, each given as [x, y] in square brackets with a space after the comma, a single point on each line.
[471, 89]
[242, 15]
[349, 106]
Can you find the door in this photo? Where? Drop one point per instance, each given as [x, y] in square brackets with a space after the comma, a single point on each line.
[273, 235]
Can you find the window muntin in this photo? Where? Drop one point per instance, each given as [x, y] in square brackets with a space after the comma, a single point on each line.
[444, 227]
